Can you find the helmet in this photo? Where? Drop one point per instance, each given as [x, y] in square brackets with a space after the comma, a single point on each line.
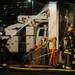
[71, 28]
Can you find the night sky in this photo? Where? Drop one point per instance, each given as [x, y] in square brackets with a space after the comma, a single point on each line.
[10, 9]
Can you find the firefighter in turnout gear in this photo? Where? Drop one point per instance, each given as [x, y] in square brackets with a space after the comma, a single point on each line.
[68, 48]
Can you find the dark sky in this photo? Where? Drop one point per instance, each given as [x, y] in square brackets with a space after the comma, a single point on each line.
[10, 9]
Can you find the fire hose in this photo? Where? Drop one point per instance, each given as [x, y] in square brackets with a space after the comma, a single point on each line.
[44, 55]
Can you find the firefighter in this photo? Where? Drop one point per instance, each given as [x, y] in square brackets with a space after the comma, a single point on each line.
[68, 48]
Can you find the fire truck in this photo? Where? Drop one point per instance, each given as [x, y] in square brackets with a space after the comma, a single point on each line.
[32, 30]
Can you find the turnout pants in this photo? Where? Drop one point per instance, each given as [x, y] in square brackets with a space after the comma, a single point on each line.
[68, 60]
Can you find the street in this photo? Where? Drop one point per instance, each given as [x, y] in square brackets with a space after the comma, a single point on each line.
[34, 71]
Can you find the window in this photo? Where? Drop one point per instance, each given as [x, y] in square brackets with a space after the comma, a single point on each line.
[41, 32]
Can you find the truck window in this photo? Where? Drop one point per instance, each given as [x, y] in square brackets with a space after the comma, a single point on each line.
[41, 32]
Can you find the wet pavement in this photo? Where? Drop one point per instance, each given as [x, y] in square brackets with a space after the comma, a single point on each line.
[31, 70]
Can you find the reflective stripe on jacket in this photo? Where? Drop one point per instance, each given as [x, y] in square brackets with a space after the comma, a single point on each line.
[68, 51]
